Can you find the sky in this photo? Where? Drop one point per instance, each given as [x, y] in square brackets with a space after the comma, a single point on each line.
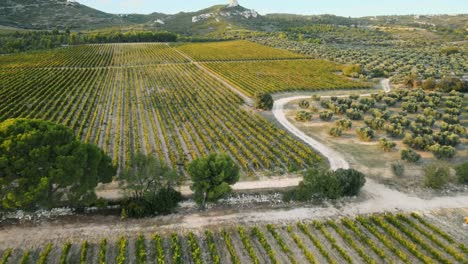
[353, 8]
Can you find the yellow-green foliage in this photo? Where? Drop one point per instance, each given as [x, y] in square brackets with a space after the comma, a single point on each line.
[276, 76]
[234, 50]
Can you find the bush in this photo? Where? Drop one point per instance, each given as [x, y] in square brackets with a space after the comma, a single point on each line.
[410, 155]
[390, 101]
[326, 115]
[344, 124]
[443, 152]
[462, 173]
[354, 114]
[352, 70]
[450, 119]
[410, 107]
[304, 104]
[365, 133]
[335, 132]
[376, 123]
[436, 176]
[303, 116]
[263, 101]
[398, 168]
[327, 184]
[162, 202]
[387, 145]
[395, 130]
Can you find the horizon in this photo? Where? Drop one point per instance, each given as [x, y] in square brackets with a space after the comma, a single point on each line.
[344, 8]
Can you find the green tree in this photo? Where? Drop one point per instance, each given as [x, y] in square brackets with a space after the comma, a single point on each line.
[436, 176]
[149, 184]
[42, 164]
[212, 176]
[146, 174]
[263, 101]
[462, 173]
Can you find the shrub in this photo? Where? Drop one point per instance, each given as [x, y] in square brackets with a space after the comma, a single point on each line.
[354, 96]
[387, 145]
[326, 115]
[354, 114]
[161, 202]
[344, 124]
[410, 107]
[365, 133]
[390, 101]
[436, 176]
[263, 101]
[398, 168]
[352, 70]
[456, 128]
[303, 116]
[451, 119]
[376, 123]
[327, 184]
[335, 132]
[395, 130]
[304, 104]
[410, 155]
[443, 152]
[316, 97]
[462, 173]
[447, 138]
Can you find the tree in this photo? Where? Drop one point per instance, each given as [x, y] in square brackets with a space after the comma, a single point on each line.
[212, 176]
[263, 101]
[327, 184]
[43, 164]
[149, 184]
[303, 116]
[462, 173]
[436, 176]
[147, 174]
[326, 115]
[410, 155]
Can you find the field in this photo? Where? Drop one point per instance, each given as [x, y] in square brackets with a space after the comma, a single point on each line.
[380, 238]
[441, 123]
[168, 107]
[103, 55]
[235, 50]
[285, 75]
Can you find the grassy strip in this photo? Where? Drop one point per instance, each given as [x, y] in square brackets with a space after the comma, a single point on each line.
[411, 247]
[45, 254]
[232, 251]
[449, 249]
[346, 237]
[246, 242]
[194, 249]
[65, 251]
[215, 259]
[320, 226]
[140, 250]
[384, 239]
[84, 252]
[317, 243]
[159, 250]
[280, 241]
[6, 256]
[310, 257]
[261, 237]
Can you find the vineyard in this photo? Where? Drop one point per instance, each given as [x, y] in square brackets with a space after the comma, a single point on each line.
[285, 75]
[380, 238]
[235, 50]
[175, 111]
[86, 56]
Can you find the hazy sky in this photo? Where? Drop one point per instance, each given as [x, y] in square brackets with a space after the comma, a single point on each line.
[354, 8]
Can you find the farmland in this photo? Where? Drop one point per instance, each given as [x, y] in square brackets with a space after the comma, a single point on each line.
[285, 75]
[384, 127]
[104, 55]
[378, 238]
[149, 98]
[235, 50]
